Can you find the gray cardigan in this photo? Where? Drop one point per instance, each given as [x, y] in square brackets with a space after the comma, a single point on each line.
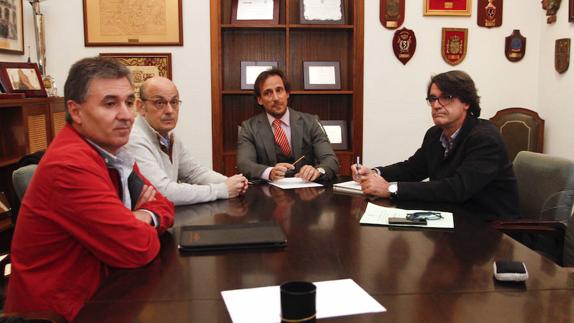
[183, 181]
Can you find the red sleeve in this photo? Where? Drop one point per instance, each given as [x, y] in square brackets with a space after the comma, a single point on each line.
[161, 206]
[85, 203]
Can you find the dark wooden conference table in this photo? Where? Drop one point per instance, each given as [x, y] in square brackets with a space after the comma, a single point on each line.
[418, 275]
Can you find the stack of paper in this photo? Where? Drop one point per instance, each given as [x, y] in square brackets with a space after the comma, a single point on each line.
[334, 298]
[293, 182]
[351, 187]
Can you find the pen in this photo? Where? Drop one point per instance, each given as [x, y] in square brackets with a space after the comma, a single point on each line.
[358, 163]
[298, 160]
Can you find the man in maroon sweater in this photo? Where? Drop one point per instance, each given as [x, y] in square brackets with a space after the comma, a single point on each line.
[87, 208]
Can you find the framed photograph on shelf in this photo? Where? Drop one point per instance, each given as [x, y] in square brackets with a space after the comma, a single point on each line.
[250, 71]
[22, 78]
[144, 65]
[255, 12]
[336, 130]
[133, 23]
[571, 10]
[447, 8]
[12, 31]
[322, 75]
[321, 12]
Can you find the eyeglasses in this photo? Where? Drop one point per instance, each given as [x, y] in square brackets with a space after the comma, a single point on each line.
[443, 100]
[161, 104]
[427, 215]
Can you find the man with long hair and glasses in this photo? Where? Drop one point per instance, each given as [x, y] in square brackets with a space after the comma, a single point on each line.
[163, 158]
[463, 157]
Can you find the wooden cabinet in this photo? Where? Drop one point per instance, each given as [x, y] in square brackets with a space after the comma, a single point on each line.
[289, 43]
[28, 125]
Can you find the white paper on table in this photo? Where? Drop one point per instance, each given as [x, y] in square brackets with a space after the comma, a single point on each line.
[334, 134]
[322, 10]
[252, 72]
[322, 75]
[334, 298]
[375, 214]
[254, 10]
[293, 182]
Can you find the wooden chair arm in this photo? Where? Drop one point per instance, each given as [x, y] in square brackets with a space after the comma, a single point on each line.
[530, 226]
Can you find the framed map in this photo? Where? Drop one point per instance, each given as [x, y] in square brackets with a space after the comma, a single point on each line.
[144, 65]
[133, 23]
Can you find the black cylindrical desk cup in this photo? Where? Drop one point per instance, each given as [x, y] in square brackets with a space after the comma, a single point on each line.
[298, 301]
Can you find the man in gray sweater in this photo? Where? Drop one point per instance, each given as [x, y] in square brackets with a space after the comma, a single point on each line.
[162, 157]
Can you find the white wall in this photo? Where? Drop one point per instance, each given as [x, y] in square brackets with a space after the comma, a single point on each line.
[395, 113]
[191, 63]
[556, 102]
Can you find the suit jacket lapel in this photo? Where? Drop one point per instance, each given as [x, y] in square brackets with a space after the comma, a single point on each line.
[265, 133]
[296, 133]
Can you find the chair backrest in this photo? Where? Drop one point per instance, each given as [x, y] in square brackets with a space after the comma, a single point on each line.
[21, 177]
[568, 252]
[545, 186]
[521, 129]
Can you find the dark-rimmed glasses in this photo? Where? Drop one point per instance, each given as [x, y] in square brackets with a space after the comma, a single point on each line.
[443, 100]
[161, 104]
[427, 215]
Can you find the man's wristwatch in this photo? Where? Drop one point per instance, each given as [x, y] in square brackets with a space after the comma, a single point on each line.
[322, 171]
[393, 189]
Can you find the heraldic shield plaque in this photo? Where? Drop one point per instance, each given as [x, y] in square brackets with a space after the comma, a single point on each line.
[454, 44]
[515, 47]
[489, 13]
[404, 44]
[392, 13]
[562, 55]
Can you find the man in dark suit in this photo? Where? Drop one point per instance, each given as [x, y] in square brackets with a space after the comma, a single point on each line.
[271, 142]
[463, 157]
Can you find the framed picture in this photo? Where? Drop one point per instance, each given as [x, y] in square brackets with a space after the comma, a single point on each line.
[133, 23]
[22, 78]
[447, 7]
[255, 12]
[250, 71]
[322, 75]
[336, 130]
[12, 28]
[144, 65]
[321, 12]
[571, 10]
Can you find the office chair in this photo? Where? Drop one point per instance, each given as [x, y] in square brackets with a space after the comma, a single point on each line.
[546, 192]
[21, 177]
[521, 129]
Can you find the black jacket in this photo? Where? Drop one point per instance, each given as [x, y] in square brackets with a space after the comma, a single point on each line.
[476, 174]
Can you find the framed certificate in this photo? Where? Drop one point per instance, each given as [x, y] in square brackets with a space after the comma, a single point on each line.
[255, 12]
[322, 75]
[250, 71]
[336, 130]
[321, 12]
[447, 7]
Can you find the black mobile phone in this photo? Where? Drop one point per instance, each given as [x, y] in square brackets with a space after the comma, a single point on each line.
[393, 220]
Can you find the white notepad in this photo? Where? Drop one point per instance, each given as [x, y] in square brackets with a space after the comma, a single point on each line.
[379, 215]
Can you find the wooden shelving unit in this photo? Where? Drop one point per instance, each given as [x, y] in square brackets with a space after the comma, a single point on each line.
[290, 44]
